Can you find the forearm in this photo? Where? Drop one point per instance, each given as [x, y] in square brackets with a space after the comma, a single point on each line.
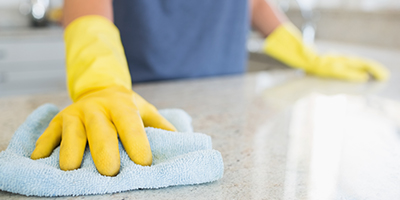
[265, 17]
[95, 57]
[74, 9]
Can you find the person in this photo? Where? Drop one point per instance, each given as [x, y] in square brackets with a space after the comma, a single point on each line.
[157, 40]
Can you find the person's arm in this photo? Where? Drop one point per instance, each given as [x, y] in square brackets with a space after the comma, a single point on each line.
[284, 43]
[265, 18]
[74, 9]
[99, 84]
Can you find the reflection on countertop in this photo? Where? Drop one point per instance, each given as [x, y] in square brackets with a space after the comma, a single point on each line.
[343, 147]
[282, 134]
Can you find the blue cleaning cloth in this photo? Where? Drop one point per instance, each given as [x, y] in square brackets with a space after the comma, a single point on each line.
[179, 158]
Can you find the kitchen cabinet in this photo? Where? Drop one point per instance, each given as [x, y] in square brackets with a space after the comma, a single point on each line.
[31, 61]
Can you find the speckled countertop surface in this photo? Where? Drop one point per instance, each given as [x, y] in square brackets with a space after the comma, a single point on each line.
[249, 119]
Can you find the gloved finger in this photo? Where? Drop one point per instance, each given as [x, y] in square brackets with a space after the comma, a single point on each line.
[132, 135]
[150, 115]
[344, 67]
[378, 71]
[49, 140]
[73, 143]
[354, 75]
[103, 142]
[152, 118]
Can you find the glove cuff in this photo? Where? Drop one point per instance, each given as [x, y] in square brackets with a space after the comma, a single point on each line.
[285, 44]
[95, 57]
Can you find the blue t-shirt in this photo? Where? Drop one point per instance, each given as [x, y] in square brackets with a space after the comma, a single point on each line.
[170, 39]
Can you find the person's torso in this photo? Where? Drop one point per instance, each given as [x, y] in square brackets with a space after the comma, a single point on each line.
[182, 38]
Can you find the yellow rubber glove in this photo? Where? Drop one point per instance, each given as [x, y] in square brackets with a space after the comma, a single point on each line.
[285, 44]
[104, 105]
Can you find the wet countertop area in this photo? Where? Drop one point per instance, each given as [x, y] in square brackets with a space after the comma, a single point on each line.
[282, 134]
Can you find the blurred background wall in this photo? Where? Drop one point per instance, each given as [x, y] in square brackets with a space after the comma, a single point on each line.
[355, 5]
[367, 22]
[14, 13]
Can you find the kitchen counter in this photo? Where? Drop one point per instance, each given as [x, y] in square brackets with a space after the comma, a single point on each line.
[263, 125]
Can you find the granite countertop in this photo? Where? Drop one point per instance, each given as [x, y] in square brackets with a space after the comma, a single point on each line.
[250, 118]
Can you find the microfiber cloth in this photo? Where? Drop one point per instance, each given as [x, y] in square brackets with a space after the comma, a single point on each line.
[179, 158]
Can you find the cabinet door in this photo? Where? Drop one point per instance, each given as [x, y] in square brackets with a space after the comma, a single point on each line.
[28, 67]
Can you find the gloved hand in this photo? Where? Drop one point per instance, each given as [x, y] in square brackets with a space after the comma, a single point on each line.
[104, 105]
[285, 44]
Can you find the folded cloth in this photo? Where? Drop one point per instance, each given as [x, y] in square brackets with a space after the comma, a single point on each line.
[179, 158]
